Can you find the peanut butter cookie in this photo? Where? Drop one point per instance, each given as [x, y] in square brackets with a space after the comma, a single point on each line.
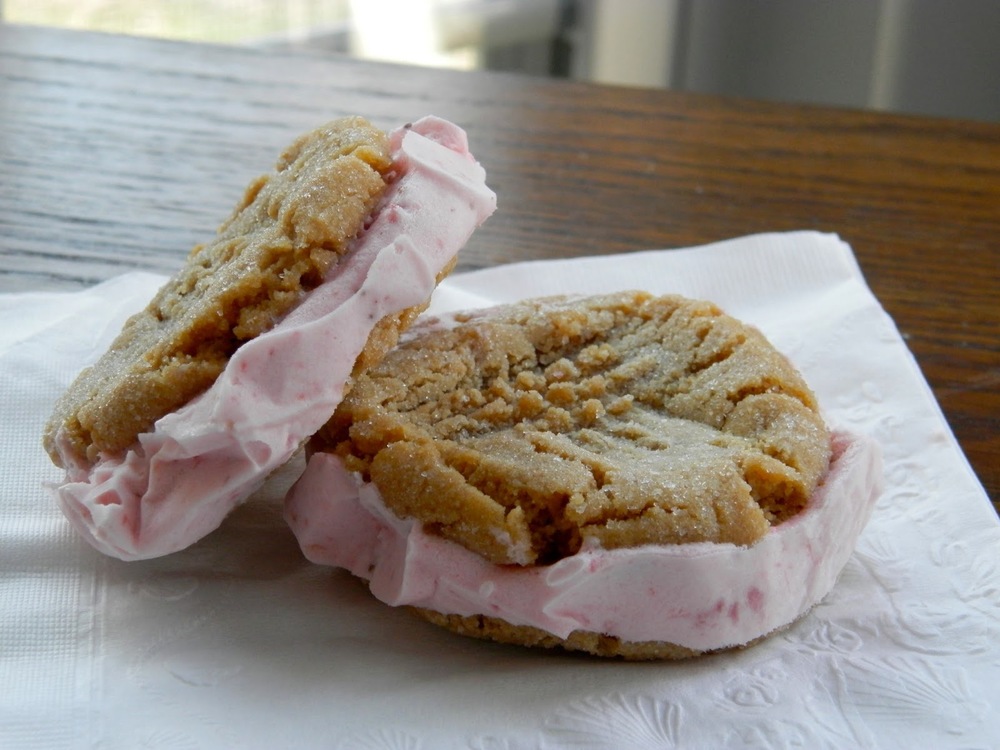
[521, 432]
[286, 233]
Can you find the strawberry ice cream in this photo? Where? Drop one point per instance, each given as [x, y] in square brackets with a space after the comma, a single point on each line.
[702, 596]
[180, 480]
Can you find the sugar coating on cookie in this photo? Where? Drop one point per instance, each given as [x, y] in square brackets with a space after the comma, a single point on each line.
[623, 419]
[289, 229]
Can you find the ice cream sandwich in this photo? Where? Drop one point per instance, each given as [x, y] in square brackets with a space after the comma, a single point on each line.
[625, 475]
[249, 348]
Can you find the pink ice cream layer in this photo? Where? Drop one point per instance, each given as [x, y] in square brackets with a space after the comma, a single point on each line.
[703, 596]
[180, 480]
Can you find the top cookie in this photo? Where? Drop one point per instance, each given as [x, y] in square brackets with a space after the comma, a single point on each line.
[522, 431]
[279, 242]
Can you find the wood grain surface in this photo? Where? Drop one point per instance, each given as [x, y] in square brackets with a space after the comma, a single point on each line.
[121, 153]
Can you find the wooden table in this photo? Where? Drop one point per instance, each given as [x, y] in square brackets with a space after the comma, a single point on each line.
[120, 153]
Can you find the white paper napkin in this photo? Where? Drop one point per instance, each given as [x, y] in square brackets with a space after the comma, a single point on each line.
[237, 642]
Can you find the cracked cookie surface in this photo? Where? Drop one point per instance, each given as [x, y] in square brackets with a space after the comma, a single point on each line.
[289, 229]
[522, 431]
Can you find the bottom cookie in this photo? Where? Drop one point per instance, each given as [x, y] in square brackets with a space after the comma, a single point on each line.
[500, 631]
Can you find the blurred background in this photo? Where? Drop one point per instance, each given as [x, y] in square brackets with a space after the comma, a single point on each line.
[932, 57]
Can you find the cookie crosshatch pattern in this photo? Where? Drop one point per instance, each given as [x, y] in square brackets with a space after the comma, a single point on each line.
[623, 419]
